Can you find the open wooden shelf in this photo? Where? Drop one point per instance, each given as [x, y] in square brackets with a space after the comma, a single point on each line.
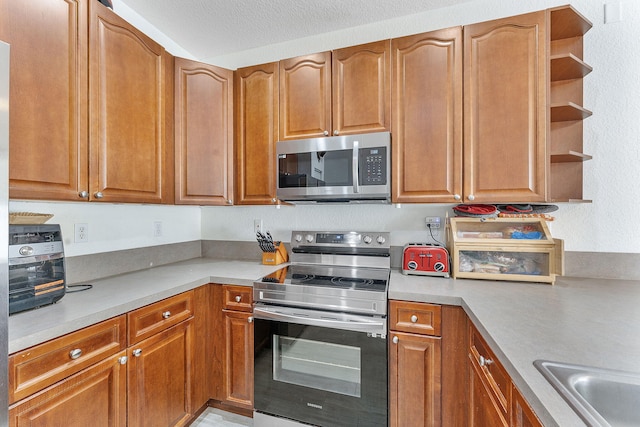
[571, 156]
[566, 22]
[567, 112]
[568, 67]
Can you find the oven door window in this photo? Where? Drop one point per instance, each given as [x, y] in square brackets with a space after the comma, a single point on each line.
[324, 366]
[320, 375]
[316, 169]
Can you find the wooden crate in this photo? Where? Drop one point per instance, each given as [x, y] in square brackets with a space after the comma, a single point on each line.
[515, 249]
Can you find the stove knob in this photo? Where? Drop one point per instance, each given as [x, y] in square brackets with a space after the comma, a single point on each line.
[298, 238]
[381, 240]
[309, 238]
[367, 239]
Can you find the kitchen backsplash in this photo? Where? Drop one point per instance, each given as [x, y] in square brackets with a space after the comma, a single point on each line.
[85, 268]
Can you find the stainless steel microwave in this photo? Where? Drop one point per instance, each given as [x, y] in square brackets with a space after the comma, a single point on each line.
[350, 168]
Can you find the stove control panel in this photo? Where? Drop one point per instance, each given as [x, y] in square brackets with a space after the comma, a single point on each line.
[348, 239]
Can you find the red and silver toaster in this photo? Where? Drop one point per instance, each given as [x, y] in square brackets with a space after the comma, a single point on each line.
[425, 259]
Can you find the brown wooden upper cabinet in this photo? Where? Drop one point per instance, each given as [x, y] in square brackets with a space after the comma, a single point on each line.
[427, 117]
[256, 133]
[203, 134]
[88, 105]
[505, 110]
[343, 92]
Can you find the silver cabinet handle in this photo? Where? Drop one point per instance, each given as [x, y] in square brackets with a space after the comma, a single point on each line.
[250, 319]
[83, 194]
[484, 362]
[137, 352]
[395, 340]
[229, 201]
[166, 314]
[98, 195]
[238, 298]
[471, 197]
[456, 197]
[336, 132]
[274, 200]
[75, 353]
[326, 133]
[123, 360]
[414, 318]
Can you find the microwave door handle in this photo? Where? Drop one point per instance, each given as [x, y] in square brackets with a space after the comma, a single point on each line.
[356, 184]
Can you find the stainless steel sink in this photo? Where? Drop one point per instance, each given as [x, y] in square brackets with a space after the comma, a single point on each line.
[602, 397]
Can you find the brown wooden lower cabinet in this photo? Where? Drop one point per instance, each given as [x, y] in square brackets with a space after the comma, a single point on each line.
[414, 380]
[159, 378]
[494, 399]
[95, 396]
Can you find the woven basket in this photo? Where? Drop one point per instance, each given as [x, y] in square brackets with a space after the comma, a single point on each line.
[28, 218]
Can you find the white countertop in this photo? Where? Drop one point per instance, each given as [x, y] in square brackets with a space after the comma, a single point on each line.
[584, 321]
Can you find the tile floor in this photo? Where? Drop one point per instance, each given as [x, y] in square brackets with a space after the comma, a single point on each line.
[213, 417]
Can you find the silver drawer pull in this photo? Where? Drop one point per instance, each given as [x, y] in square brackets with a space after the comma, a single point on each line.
[484, 362]
[395, 340]
[137, 352]
[238, 298]
[75, 353]
[166, 314]
[122, 360]
[414, 318]
[250, 319]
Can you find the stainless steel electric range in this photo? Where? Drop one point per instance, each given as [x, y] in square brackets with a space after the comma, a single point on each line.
[321, 333]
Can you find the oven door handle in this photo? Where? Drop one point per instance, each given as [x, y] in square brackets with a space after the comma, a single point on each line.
[372, 326]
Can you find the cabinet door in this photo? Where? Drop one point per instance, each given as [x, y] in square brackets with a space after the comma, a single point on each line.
[130, 158]
[160, 377]
[427, 119]
[48, 96]
[361, 86]
[238, 371]
[256, 133]
[521, 413]
[305, 96]
[414, 380]
[484, 411]
[203, 133]
[95, 396]
[505, 92]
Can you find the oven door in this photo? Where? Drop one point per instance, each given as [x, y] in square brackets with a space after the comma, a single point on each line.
[320, 375]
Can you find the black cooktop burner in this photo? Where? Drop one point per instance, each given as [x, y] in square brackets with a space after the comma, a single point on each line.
[356, 283]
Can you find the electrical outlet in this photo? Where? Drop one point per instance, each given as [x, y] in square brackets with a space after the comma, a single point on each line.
[433, 222]
[257, 226]
[81, 233]
[157, 228]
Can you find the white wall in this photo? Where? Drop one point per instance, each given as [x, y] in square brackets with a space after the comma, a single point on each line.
[612, 178]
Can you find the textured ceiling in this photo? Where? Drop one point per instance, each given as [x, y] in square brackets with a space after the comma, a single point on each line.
[210, 28]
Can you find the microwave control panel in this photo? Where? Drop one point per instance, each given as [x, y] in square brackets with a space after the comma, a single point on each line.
[373, 166]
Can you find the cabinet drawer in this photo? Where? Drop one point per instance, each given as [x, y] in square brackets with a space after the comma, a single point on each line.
[37, 367]
[492, 372]
[415, 317]
[151, 319]
[239, 298]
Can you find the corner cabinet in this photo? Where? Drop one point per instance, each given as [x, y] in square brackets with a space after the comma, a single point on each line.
[48, 125]
[90, 110]
[203, 134]
[130, 107]
[343, 92]
[256, 134]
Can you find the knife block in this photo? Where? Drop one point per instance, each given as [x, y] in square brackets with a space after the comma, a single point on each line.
[278, 257]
